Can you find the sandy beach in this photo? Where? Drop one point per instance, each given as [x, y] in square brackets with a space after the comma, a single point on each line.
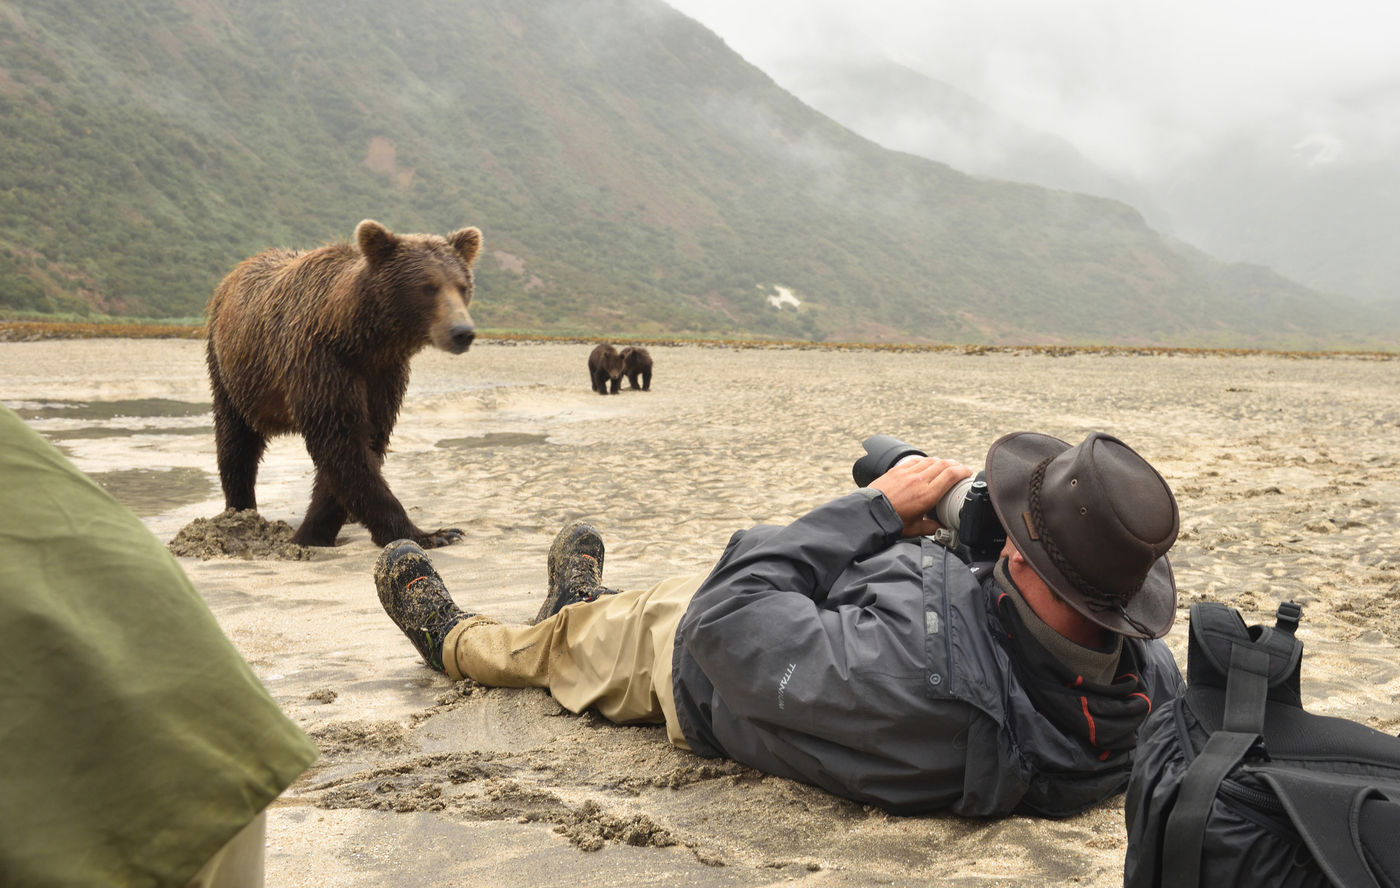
[1285, 469]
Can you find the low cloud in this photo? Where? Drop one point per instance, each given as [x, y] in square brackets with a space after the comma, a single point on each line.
[1135, 85]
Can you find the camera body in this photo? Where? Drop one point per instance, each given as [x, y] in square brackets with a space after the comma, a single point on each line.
[966, 512]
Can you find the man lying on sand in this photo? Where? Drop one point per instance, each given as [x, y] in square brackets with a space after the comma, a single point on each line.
[851, 651]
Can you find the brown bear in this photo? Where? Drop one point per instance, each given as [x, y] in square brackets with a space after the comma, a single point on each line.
[605, 369]
[318, 343]
[636, 361]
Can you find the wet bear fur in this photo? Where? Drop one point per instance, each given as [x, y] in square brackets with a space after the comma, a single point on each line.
[605, 369]
[636, 361]
[318, 343]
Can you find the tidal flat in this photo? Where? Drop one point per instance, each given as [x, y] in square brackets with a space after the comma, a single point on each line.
[1286, 470]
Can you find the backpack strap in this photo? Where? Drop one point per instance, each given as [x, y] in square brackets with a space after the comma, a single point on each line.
[1217, 630]
[1186, 825]
[1224, 651]
[1327, 810]
[1246, 690]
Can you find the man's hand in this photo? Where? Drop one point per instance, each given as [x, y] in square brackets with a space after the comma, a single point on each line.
[916, 486]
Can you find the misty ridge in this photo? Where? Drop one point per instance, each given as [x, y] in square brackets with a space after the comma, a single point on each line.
[1308, 190]
[632, 176]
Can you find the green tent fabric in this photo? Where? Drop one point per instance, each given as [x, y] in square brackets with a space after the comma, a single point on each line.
[134, 739]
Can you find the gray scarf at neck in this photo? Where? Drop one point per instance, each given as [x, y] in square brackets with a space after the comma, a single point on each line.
[1097, 665]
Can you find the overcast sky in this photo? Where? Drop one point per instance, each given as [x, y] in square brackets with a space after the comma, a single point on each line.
[1133, 84]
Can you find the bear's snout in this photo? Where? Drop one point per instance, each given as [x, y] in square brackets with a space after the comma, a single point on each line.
[460, 337]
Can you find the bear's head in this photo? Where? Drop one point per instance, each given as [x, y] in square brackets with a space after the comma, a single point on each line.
[430, 277]
[606, 359]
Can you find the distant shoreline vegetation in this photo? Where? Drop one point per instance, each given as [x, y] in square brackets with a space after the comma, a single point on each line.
[187, 328]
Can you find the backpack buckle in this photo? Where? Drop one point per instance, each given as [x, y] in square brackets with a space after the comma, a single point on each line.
[1288, 617]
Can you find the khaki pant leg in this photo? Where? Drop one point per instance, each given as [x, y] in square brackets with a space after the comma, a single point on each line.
[239, 864]
[612, 654]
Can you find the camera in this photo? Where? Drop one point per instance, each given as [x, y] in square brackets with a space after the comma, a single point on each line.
[966, 513]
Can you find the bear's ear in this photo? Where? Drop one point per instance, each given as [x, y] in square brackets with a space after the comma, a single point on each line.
[376, 242]
[467, 243]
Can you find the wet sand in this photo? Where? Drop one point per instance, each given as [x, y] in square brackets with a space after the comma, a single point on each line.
[1286, 471]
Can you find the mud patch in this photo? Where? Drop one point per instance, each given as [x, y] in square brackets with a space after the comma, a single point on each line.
[238, 534]
[464, 781]
[687, 775]
[340, 737]
[477, 786]
[590, 828]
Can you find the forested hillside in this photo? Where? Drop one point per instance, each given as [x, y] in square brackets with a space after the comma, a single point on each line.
[630, 173]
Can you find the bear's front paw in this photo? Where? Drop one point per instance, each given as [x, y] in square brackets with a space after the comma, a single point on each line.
[443, 536]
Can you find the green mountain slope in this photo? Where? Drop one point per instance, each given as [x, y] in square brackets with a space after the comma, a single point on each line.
[631, 175]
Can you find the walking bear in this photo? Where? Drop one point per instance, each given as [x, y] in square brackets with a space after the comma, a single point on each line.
[605, 369]
[318, 343]
[636, 361]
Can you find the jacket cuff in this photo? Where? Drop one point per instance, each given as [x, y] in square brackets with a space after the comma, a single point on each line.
[886, 518]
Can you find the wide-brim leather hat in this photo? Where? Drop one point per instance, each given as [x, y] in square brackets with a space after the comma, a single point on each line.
[1094, 521]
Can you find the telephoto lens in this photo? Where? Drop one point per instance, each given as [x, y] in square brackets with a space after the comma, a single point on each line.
[970, 524]
[884, 452]
[949, 510]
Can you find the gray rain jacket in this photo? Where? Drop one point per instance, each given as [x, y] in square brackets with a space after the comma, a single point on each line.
[833, 652]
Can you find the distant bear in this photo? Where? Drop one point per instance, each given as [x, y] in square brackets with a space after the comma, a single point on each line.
[605, 369]
[636, 361]
[318, 342]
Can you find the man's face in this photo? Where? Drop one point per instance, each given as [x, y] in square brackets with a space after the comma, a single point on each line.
[1008, 548]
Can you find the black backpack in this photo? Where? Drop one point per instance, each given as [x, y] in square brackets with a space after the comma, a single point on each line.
[1235, 785]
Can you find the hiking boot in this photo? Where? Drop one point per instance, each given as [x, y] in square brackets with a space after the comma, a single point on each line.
[415, 598]
[575, 569]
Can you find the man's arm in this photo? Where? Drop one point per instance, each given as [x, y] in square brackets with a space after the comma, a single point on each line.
[829, 692]
[805, 557]
[761, 599]
[758, 626]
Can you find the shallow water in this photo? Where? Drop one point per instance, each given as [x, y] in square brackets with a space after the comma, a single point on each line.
[105, 410]
[149, 492]
[89, 432]
[493, 439]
